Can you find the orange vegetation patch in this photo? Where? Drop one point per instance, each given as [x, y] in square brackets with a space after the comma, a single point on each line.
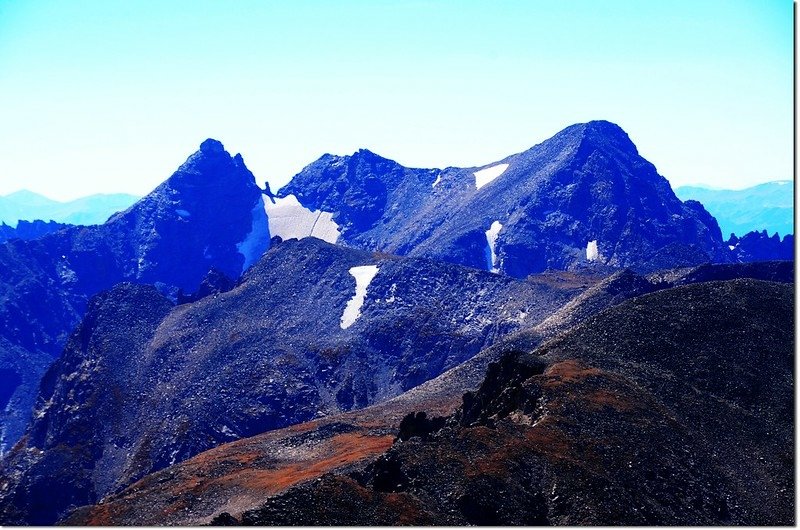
[604, 398]
[555, 445]
[339, 451]
[102, 515]
[549, 440]
[408, 509]
[196, 480]
[569, 371]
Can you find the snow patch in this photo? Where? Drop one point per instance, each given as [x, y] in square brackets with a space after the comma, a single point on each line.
[485, 176]
[592, 253]
[392, 291]
[731, 247]
[437, 181]
[363, 275]
[491, 239]
[290, 219]
[183, 213]
[257, 241]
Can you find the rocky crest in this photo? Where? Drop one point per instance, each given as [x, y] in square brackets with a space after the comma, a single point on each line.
[241, 475]
[758, 246]
[585, 196]
[29, 229]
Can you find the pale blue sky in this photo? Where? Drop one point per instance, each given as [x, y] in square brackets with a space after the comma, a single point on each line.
[104, 95]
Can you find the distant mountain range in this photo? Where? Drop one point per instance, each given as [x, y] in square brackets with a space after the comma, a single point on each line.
[768, 206]
[91, 210]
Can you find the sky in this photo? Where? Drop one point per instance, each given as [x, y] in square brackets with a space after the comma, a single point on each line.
[102, 96]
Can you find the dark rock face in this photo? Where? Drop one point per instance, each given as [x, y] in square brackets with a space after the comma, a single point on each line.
[653, 412]
[30, 229]
[270, 353]
[201, 213]
[215, 282]
[59, 449]
[758, 246]
[418, 424]
[197, 220]
[586, 184]
[358, 188]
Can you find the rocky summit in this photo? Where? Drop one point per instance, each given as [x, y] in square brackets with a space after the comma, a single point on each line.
[583, 197]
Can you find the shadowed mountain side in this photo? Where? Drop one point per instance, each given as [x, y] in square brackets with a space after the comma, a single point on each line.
[191, 223]
[759, 246]
[652, 412]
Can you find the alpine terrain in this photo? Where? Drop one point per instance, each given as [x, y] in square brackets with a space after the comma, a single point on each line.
[551, 338]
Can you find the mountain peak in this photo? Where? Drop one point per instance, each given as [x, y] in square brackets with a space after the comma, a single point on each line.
[601, 133]
[597, 134]
[212, 146]
[366, 154]
[604, 126]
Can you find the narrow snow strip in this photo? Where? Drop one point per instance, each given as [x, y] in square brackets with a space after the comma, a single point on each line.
[485, 176]
[591, 251]
[363, 275]
[491, 239]
[257, 241]
[437, 181]
[288, 218]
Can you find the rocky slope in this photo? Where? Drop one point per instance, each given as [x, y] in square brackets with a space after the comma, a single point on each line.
[313, 330]
[584, 196]
[673, 408]
[240, 475]
[202, 217]
[293, 341]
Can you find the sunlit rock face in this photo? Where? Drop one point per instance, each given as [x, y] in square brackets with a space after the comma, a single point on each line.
[583, 197]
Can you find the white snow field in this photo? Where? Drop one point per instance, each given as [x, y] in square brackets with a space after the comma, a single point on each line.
[363, 275]
[288, 218]
[591, 251]
[491, 239]
[485, 176]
